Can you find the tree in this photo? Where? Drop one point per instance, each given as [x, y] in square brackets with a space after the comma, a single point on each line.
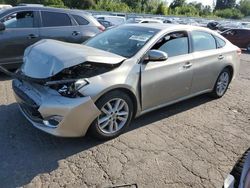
[207, 10]
[223, 4]
[244, 7]
[112, 5]
[161, 9]
[80, 4]
[177, 3]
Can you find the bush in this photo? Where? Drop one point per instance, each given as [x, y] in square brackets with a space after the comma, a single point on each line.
[112, 5]
[186, 10]
[229, 13]
[161, 9]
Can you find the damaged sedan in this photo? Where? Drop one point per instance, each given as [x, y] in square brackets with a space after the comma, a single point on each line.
[69, 89]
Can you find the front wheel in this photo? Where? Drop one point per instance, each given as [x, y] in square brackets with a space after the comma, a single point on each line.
[221, 84]
[116, 113]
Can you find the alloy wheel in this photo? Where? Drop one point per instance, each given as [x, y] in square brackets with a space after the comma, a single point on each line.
[114, 115]
[222, 83]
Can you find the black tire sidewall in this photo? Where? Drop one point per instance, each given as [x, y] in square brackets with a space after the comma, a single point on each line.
[94, 128]
[214, 93]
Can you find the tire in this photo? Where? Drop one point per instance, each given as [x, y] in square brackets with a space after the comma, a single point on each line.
[248, 48]
[238, 167]
[114, 119]
[216, 93]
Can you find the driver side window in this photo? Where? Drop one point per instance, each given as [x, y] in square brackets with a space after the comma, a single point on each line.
[24, 19]
[174, 44]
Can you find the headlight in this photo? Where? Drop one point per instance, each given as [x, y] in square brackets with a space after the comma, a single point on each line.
[80, 84]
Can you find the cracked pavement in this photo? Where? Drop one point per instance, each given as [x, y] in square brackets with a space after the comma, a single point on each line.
[194, 143]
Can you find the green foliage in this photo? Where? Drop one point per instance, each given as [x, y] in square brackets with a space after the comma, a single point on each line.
[112, 5]
[79, 4]
[177, 3]
[186, 10]
[229, 13]
[190, 9]
[244, 7]
[224, 8]
[161, 9]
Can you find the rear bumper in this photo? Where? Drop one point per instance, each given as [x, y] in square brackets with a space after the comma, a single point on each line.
[39, 104]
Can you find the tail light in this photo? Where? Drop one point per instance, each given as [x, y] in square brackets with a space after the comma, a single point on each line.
[239, 51]
[101, 28]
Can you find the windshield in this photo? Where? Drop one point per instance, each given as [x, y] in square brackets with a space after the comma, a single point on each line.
[123, 41]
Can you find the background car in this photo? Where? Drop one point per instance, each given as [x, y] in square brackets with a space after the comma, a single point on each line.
[143, 20]
[239, 177]
[239, 37]
[105, 23]
[114, 20]
[22, 26]
[4, 6]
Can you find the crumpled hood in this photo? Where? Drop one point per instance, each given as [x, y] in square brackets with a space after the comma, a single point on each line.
[48, 57]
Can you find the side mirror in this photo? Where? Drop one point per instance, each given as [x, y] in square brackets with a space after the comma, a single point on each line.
[2, 26]
[156, 55]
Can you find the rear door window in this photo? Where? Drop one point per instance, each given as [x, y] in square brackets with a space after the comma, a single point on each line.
[55, 19]
[220, 42]
[80, 20]
[203, 41]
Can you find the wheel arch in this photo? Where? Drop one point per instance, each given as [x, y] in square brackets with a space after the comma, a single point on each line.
[127, 91]
[231, 70]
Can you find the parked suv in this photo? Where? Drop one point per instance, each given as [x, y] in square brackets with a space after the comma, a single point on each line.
[22, 26]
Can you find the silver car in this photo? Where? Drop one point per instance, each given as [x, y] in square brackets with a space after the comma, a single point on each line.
[69, 89]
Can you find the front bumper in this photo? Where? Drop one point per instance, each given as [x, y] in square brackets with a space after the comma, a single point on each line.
[39, 103]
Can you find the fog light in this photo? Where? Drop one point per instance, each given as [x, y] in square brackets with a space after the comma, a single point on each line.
[53, 121]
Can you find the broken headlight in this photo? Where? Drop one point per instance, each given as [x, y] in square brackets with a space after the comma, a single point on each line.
[68, 88]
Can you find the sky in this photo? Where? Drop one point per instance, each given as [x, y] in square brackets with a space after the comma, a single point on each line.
[204, 2]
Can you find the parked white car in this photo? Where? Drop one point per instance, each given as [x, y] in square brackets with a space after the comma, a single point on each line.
[143, 20]
[4, 6]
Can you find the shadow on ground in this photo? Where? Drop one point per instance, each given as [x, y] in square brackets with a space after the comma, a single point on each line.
[4, 77]
[26, 152]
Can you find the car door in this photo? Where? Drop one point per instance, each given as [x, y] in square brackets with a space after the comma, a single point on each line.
[167, 81]
[236, 36]
[21, 31]
[59, 26]
[206, 64]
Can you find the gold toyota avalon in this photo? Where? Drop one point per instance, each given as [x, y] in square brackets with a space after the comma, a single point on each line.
[69, 89]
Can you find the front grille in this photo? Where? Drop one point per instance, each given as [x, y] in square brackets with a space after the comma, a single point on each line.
[23, 96]
[31, 112]
[27, 104]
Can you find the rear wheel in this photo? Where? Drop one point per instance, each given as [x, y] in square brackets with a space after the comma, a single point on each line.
[222, 83]
[116, 113]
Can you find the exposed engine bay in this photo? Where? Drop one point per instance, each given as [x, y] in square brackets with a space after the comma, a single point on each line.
[70, 80]
[74, 78]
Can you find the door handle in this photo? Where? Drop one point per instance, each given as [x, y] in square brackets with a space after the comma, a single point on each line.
[187, 65]
[75, 33]
[32, 36]
[221, 57]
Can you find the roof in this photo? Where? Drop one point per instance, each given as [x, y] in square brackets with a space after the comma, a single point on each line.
[161, 26]
[37, 8]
